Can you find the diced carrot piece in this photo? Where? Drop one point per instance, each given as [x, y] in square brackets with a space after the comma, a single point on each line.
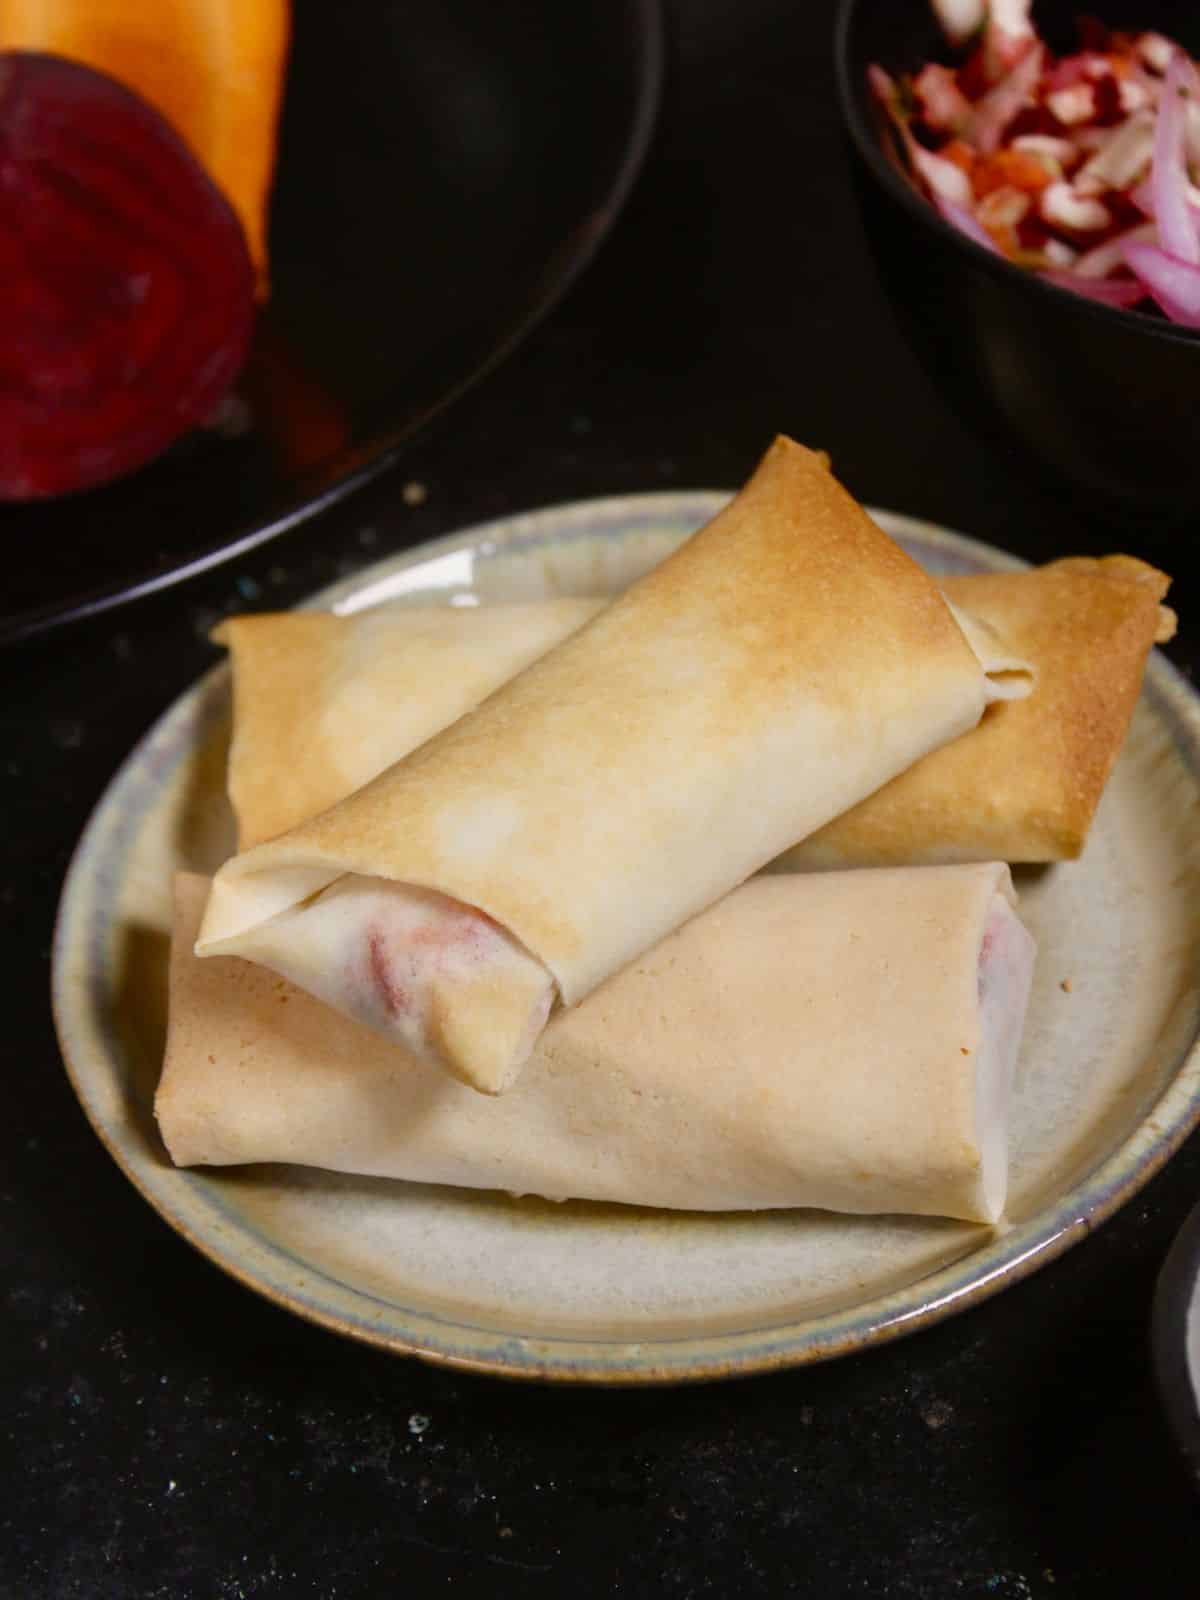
[959, 154]
[1010, 169]
[1004, 237]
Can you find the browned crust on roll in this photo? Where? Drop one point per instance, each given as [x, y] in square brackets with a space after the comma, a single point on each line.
[788, 657]
[1024, 785]
[320, 700]
[273, 715]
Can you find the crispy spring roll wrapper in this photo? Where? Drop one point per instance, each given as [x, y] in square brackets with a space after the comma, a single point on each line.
[785, 662]
[1025, 784]
[324, 703]
[840, 1040]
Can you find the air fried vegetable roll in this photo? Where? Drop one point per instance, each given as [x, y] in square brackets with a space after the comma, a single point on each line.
[784, 663]
[843, 1040]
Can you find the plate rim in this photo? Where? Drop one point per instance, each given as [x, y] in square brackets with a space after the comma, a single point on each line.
[1015, 1250]
[373, 457]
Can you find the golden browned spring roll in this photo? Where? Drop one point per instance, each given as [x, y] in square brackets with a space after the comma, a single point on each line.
[785, 662]
[1025, 784]
[840, 1040]
[324, 703]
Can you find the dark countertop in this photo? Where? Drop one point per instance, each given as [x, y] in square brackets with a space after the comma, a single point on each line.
[164, 1433]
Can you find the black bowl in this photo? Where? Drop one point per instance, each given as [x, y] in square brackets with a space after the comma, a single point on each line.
[1103, 400]
[446, 169]
[1176, 1341]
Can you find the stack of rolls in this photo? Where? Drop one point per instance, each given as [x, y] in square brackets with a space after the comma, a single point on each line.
[501, 914]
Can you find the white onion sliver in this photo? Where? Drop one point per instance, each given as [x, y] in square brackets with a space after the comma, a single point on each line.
[942, 176]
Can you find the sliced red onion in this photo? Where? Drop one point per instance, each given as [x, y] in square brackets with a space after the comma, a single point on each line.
[1053, 153]
[1191, 128]
[960, 18]
[1007, 34]
[1146, 83]
[1134, 96]
[1144, 158]
[943, 104]
[1104, 258]
[960, 218]
[1059, 254]
[883, 86]
[1172, 282]
[1074, 105]
[1143, 198]
[999, 105]
[1003, 208]
[1086, 140]
[1085, 67]
[1168, 176]
[942, 177]
[1120, 159]
[1012, 17]
[1063, 208]
[1120, 292]
[1155, 50]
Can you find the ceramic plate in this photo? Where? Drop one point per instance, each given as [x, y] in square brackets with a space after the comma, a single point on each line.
[1108, 1084]
[446, 169]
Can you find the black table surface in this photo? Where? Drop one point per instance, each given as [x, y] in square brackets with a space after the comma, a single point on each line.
[165, 1433]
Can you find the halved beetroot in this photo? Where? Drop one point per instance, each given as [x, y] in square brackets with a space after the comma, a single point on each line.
[128, 291]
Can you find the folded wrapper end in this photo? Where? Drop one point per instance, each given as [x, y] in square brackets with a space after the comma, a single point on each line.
[435, 976]
[1009, 676]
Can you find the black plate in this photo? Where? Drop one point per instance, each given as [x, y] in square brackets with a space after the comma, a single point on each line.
[446, 168]
[1176, 1305]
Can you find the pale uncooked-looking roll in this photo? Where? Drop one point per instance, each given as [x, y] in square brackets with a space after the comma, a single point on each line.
[841, 1040]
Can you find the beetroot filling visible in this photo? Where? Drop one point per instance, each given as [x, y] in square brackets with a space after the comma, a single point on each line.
[396, 999]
